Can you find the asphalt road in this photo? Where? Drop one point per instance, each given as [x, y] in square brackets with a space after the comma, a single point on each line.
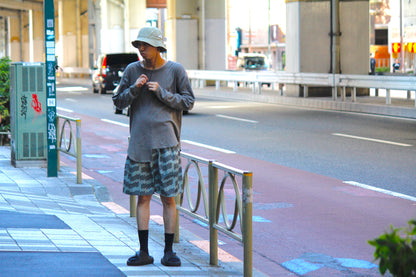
[372, 150]
[307, 221]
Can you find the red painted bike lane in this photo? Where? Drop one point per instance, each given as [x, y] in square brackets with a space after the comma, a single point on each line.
[303, 223]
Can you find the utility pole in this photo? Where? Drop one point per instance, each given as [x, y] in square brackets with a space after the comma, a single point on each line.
[402, 65]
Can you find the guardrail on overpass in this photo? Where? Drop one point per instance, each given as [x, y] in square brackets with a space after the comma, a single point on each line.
[69, 72]
[198, 78]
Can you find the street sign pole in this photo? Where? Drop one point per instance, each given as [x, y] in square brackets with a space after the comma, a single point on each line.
[49, 14]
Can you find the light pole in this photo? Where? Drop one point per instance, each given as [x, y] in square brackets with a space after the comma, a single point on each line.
[269, 36]
[402, 66]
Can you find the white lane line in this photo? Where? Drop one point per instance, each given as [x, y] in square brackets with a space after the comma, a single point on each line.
[64, 110]
[388, 192]
[209, 147]
[374, 140]
[222, 107]
[115, 122]
[71, 100]
[236, 118]
[72, 89]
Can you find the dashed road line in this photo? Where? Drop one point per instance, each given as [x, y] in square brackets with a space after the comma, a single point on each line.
[237, 118]
[115, 122]
[373, 140]
[209, 147]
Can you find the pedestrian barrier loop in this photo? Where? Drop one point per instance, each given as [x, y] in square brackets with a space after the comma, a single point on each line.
[214, 211]
[66, 142]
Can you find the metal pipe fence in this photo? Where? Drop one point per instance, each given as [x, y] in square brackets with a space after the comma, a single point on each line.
[67, 143]
[212, 196]
[198, 78]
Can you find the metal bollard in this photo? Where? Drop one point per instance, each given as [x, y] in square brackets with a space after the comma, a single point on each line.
[248, 223]
[213, 233]
[133, 206]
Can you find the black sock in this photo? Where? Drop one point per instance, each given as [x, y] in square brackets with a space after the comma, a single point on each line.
[169, 242]
[144, 238]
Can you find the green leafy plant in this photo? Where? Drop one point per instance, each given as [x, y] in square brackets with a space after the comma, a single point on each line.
[396, 251]
[4, 94]
[383, 69]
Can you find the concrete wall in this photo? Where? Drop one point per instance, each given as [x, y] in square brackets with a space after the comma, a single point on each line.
[355, 43]
[308, 44]
[208, 45]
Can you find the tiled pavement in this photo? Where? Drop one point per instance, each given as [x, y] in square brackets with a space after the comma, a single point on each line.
[53, 226]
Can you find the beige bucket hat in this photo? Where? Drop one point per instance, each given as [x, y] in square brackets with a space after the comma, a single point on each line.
[152, 36]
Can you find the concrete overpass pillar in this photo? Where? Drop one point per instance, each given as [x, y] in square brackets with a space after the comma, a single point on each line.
[309, 47]
[215, 34]
[196, 33]
[38, 35]
[120, 23]
[16, 37]
[182, 32]
[135, 20]
[72, 33]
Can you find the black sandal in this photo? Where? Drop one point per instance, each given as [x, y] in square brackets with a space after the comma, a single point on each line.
[141, 258]
[170, 259]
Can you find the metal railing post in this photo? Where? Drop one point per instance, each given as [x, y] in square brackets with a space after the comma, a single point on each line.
[388, 97]
[176, 237]
[213, 233]
[133, 206]
[69, 143]
[78, 152]
[58, 166]
[248, 223]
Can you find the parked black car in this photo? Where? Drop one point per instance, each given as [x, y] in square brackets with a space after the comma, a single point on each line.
[109, 69]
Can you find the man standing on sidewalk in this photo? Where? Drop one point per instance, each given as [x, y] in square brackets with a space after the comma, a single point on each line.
[157, 91]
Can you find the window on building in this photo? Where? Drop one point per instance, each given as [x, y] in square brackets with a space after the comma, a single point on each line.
[381, 37]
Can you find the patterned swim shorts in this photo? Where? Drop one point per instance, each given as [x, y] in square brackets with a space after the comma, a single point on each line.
[163, 175]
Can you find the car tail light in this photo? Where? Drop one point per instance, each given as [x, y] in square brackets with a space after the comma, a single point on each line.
[104, 67]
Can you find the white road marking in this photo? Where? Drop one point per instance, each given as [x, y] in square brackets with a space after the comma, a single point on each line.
[71, 100]
[236, 118]
[209, 147]
[115, 122]
[71, 89]
[222, 107]
[374, 140]
[388, 192]
[64, 110]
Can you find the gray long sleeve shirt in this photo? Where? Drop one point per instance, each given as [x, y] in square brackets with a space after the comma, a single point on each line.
[155, 116]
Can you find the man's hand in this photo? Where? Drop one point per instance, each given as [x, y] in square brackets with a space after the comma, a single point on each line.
[142, 80]
[152, 86]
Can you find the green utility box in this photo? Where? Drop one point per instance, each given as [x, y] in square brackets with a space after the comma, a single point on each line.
[28, 114]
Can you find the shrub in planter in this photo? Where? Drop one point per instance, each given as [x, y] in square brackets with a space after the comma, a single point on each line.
[4, 98]
[396, 251]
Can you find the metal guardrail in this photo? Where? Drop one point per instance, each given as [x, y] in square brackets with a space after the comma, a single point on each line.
[2, 136]
[214, 205]
[73, 72]
[343, 81]
[67, 143]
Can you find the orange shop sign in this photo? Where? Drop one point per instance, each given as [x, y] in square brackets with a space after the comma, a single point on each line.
[411, 47]
[396, 47]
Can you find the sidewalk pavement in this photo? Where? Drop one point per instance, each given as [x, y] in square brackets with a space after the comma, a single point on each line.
[55, 227]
